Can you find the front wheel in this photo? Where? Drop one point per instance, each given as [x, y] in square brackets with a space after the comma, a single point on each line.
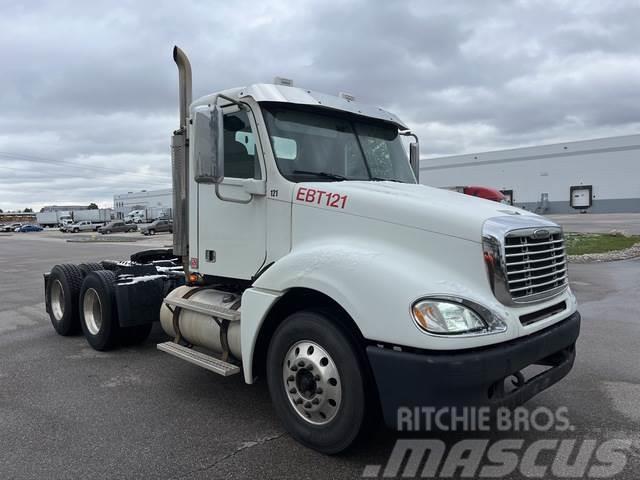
[317, 382]
[152, 232]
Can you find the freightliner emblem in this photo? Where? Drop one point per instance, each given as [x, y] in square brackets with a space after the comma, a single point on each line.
[541, 233]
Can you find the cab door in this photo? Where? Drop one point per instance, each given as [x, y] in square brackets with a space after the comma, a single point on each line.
[232, 214]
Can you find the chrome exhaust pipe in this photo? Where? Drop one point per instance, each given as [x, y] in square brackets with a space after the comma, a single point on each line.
[184, 83]
[180, 162]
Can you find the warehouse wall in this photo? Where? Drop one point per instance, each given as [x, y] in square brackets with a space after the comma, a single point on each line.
[610, 165]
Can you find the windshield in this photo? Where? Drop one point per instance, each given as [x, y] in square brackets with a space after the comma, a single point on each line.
[325, 146]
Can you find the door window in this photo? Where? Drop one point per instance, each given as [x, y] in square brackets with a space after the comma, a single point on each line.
[240, 159]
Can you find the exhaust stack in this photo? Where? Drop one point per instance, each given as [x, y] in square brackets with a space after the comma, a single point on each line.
[180, 162]
[184, 83]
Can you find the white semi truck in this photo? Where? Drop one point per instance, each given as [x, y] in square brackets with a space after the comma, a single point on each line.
[306, 253]
[147, 215]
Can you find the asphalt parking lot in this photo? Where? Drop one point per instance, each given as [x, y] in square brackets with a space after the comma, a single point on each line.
[67, 411]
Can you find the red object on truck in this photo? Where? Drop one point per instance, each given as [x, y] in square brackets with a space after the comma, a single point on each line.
[485, 192]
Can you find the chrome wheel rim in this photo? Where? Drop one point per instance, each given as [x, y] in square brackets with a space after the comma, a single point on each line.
[312, 382]
[92, 309]
[57, 300]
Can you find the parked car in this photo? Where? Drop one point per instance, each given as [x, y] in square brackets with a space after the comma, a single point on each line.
[117, 226]
[83, 226]
[29, 228]
[157, 226]
[11, 227]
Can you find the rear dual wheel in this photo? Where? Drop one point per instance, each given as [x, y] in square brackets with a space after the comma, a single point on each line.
[88, 267]
[63, 290]
[99, 314]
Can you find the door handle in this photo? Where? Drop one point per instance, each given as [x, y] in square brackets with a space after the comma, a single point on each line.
[255, 187]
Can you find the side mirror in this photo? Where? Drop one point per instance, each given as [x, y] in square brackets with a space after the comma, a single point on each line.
[414, 159]
[208, 138]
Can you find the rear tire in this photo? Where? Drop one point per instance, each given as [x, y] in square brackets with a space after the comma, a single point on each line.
[130, 336]
[63, 289]
[323, 407]
[98, 312]
[87, 268]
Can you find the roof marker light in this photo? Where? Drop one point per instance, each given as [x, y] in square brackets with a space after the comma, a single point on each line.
[347, 96]
[287, 82]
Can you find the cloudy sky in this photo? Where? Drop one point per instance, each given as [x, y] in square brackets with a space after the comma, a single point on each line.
[88, 91]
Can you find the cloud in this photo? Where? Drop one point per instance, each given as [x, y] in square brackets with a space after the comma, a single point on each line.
[88, 90]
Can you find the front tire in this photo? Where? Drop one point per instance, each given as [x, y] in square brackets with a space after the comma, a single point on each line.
[317, 382]
[152, 232]
[98, 312]
[63, 289]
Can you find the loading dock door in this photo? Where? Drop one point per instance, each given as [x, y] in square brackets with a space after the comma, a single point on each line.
[581, 196]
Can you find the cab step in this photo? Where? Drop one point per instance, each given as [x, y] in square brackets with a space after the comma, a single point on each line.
[199, 307]
[201, 359]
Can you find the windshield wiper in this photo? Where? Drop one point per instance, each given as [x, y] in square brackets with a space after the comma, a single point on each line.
[333, 176]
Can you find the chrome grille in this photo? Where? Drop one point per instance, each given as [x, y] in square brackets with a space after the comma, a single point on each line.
[535, 266]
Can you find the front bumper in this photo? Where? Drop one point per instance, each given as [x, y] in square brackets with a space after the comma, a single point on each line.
[472, 377]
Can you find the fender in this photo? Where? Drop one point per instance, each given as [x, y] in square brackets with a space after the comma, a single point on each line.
[371, 283]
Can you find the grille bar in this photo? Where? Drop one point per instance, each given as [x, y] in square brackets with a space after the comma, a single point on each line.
[537, 277]
[535, 269]
[523, 262]
[534, 252]
[554, 281]
[538, 244]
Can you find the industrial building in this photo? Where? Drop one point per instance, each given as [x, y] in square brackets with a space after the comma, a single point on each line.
[155, 199]
[63, 208]
[597, 176]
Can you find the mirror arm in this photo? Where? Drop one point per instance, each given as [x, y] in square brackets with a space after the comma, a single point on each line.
[241, 105]
[409, 133]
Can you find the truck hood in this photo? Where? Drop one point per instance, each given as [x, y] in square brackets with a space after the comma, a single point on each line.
[412, 205]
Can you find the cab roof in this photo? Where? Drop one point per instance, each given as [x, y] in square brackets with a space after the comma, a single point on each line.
[266, 92]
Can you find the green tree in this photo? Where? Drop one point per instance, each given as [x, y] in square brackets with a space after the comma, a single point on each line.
[28, 210]
[92, 206]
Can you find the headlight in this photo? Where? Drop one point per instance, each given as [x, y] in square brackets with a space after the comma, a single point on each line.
[439, 317]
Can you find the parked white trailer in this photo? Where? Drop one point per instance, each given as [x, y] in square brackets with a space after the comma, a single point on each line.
[306, 253]
[64, 217]
[100, 215]
[49, 219]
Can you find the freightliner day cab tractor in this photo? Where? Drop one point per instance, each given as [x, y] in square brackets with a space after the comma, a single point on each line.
[306, 253]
